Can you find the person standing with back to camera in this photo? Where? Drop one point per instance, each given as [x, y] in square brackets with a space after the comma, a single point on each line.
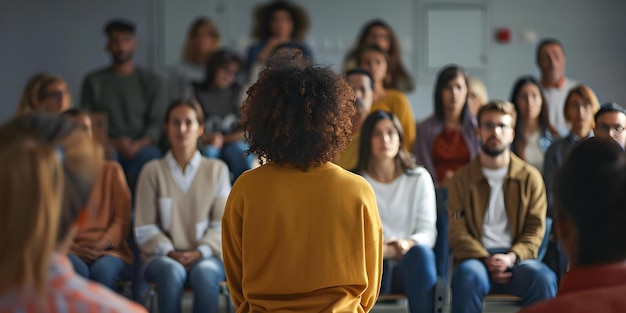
[299, 233]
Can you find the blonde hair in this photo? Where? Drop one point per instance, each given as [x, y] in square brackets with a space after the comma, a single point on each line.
[588, 95]
[49, 162]
[189, 53]
[30, 94]
[478, 88]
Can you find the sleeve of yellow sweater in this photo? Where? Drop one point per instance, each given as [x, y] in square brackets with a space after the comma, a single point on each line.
[120, 224]
[373, 249]
[150, 239]
[213, 235]
[231, 245]
[405, 116]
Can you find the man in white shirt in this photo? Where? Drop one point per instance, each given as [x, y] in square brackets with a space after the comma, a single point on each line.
[496, 209]
[551, 62]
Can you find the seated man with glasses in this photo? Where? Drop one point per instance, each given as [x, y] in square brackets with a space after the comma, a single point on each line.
[497, 208]
[610, 123]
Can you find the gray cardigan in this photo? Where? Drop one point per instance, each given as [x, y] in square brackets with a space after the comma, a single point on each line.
[429, 129]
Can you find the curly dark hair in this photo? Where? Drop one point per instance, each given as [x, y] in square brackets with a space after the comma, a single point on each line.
[297, 113]
[263, 14]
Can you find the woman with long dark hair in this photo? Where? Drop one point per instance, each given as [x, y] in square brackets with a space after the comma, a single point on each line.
[219, 96]
[533, 131]
[405, 196]
[378, 32]
[447, 140]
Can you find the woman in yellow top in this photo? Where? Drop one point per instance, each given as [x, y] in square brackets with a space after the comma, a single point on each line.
[299, 233]
[374, 60]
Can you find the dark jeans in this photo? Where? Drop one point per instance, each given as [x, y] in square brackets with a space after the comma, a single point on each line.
[415, 275]
[532, 281]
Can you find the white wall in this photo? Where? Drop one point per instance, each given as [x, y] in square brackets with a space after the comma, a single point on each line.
[65, 37]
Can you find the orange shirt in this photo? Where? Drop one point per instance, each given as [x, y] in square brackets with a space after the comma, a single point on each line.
[449, 153]
[68, 292]
[109, 213]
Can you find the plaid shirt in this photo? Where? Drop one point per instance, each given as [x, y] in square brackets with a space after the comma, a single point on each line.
[67, 292]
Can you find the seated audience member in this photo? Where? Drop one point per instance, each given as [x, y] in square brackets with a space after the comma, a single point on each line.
[203, 39]
[551, 62]
[580, 106]
[591, 215]
[29, 100]
[275, 23]
[44, 192]
[447, 140]
[476, 95]
[99, 250]
[363, 86]
[44, 93]
[533, 131]
[610, 123]
[405, 196]
[301, 234]
[219, 96]
[378, 32]
[53, 96]
[133, 99]
[179, 205]
[372, 59]
[497, 210]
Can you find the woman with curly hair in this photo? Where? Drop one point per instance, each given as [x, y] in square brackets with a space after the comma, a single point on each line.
[277, 23]
[299, 233]
[378, 32]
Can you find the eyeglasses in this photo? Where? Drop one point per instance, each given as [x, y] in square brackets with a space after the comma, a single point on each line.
[488, 126]
[57, 94]
[617, 129]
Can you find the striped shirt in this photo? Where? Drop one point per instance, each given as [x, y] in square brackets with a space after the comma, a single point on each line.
[67, 292]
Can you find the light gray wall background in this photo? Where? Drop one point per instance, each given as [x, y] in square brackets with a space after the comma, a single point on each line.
[65, 37]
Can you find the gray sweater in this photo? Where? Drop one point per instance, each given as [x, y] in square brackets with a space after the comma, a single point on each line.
[135, 104]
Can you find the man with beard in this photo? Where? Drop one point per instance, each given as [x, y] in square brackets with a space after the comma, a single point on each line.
[131, 96]
[497, 208]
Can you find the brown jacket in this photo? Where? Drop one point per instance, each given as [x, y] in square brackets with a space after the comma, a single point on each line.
[524, 200]
[109, 213]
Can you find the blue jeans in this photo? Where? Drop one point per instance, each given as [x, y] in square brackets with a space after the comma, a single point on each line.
[532, 281]
[234, 154]
[106, 270]
[171, 277]
[415, 275]
[133, 166]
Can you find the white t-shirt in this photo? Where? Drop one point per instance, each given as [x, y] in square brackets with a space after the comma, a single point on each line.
[407, 207]
[555, 97]
[496, 227]
[533, 153]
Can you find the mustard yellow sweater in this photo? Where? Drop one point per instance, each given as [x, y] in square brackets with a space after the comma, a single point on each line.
[297, 241]
[397, 103]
